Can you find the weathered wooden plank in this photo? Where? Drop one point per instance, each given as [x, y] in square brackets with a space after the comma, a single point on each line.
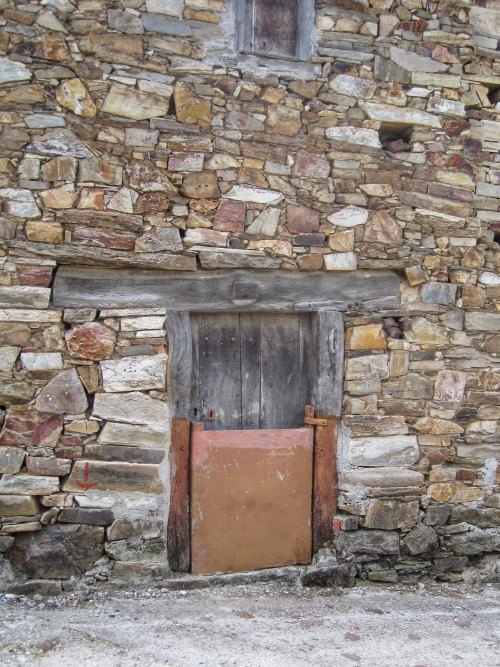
[250, 370]
[272, 26]
[220, 371]
[178, 526]
[329, 369]
[282, 405]
[325, 482]
[180, 353]
[77, 287]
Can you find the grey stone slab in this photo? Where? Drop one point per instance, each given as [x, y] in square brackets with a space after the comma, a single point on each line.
[166, 26]
[399, 450]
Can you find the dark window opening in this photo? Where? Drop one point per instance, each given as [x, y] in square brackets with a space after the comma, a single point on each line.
[395, 139]
[496, 238]
[494, 96]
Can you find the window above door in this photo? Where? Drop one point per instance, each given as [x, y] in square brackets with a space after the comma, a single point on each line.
[280, 29]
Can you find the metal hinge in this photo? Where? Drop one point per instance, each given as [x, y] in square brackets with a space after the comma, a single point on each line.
[314, 421]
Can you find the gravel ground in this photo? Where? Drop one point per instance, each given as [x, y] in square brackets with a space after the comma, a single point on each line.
[256, 625]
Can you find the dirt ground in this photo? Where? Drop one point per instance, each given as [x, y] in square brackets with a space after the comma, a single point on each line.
[257, 625]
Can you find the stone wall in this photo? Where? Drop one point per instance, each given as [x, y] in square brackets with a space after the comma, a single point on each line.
[134, 135]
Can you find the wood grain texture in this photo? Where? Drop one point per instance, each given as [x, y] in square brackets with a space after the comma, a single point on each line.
[180, 353]
[220, 370]
[250, 337]
[328, 370]
[78, 287]
[282, 405]
[252, 369]
[271, 27]
[325, 482]
[178, 527]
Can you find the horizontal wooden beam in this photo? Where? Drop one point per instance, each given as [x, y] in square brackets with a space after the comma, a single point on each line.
[223, 291]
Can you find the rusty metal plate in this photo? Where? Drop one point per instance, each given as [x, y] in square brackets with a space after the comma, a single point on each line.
[251, 495]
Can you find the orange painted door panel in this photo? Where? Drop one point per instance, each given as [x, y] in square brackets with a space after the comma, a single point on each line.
[250, 499]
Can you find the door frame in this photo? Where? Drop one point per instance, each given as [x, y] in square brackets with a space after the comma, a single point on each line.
[326, 294]
[327, 392]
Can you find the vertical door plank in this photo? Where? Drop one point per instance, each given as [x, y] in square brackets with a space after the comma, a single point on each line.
[220, 370]
[194, 408]
[275, 26]
[282, 406]
[250, 370]
[325, 482]
[328, 339]
[178, 527]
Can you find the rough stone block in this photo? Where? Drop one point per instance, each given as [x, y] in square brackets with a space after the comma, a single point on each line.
[28, 485]
[41, 465]
[365, 337]
[381, 477]
[132, 408]
[17, 505]
[369, 367]
[93, 517]
[422, 540]
[63, 394]
[57, 552]
[399, 450]
[134, 373]
[11, 460]
[103, 476]
[372, 542]
[391, 514]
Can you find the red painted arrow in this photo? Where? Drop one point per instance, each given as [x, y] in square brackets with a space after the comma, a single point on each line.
[86, 485]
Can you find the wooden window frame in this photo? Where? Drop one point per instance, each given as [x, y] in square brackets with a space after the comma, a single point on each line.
[305, 32]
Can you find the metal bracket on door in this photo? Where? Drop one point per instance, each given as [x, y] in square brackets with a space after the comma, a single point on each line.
[314, 421]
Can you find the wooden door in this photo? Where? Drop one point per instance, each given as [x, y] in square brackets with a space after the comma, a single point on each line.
[251, 370]
[251, 457]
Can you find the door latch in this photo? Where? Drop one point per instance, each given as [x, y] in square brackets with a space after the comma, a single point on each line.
[211, 414]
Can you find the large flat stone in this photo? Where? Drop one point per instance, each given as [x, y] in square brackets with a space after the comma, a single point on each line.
[28, 485]
[381, 477]
[57, 552]
[28, 427]
[132, 408]
[369, 367]
[17, 505]
[398, 450]
[63, 394]
[11, 70]
[11, 460]
[91, 340]
[8, 357]
[480, 321]
[400, 115]
[350, 216]
[255, 195]
[104, 476]
[412, 62]
[19, 203]
[135, 435]
[391, 514]
[24, 297]
[373, 542]
[134, 104]
[134, 373]
[237, 259]
[355, 135]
